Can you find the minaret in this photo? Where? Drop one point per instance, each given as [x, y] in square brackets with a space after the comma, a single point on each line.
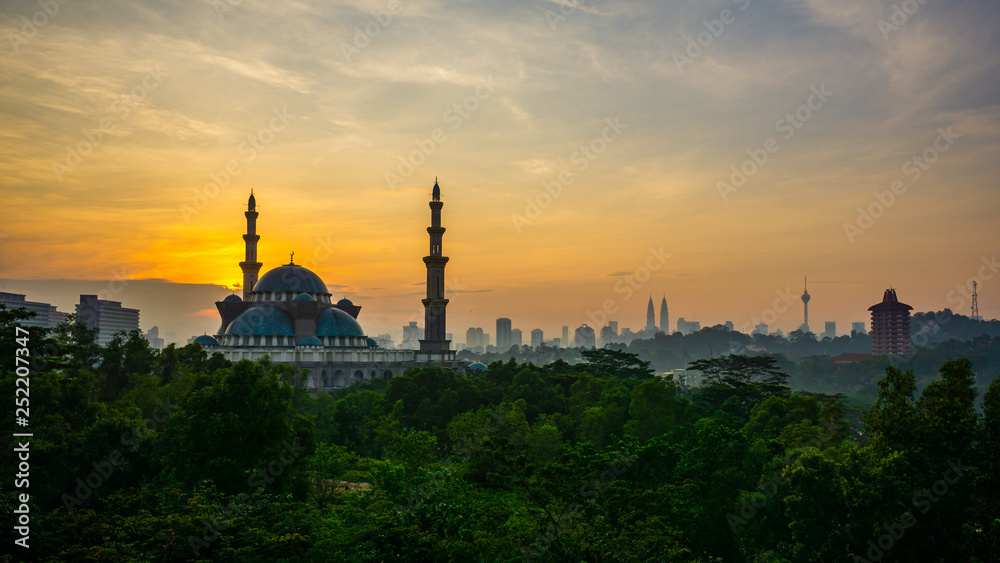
[805, 306]
[250, 266]
[664, 316]
[650, 317]
[435, 340]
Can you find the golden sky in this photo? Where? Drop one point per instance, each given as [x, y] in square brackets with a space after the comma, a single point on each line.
[121, 118]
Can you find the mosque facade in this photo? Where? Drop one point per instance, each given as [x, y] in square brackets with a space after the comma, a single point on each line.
[288, 315]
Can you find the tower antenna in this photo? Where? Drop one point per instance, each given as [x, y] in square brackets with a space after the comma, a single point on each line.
[975, 303]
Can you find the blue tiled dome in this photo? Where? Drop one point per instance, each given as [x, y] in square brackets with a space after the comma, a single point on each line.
[309, 341]
[303, 297]
[345, 302]
[262, 320]
[291, 277]
[371, 343]
[234, 298]
[334, 322]
[477, 367]
[206, 340]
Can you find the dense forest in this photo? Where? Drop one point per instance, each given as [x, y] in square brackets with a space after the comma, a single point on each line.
[175, 455]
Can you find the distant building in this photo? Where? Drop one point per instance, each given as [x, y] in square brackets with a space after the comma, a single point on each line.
[831, 330]
[890, 325]
[608, 335]
[46, 316]
[779, 333]
[565, 337]
[153, 337]
[687, 327]
[384, 341]
[516, 338]
[627, 336]
[108, 317]
[585, 337]
[650, 318]
[537, 338]
[503, 334]
[664, 316]
[729, 325]
[474, 338]
[760, 329]
[859, 328]
[412, 335]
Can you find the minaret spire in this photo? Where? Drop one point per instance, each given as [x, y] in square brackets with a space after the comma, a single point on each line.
[250, 266]
[435, 345]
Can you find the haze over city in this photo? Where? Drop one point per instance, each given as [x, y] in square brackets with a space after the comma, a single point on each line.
[724, 146]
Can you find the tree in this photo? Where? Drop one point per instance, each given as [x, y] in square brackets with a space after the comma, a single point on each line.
[606, 362]
[736, 370]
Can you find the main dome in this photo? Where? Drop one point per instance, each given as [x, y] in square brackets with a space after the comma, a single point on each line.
[291, 278]
[334, 322]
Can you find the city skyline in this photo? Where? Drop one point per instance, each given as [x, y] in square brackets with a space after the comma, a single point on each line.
[735, 166]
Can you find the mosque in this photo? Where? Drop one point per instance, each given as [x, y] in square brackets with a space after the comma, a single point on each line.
[288, 315]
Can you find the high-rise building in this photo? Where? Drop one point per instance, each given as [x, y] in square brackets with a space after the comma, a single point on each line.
[108, 317]
[412, 334]
[650, 318]
[608, 335]
[729, 325]
[537, 338]
[435, 345]
[890, 325]
[503, 334]
[565, 337]
[687, 327]
[805, 307]
[153, 337]
[474, 338]
[585, 337]
[627, 336]
[664, 316]
[859, 328]
[516, 337]
[831, 330]
[46, 316]
[760, 329]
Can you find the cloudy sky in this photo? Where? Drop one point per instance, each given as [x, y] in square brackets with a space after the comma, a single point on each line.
[590, 154]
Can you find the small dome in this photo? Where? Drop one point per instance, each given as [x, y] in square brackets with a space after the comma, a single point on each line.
[309, 341]
[371, 343]
[233, 298]
[303, 297]
[334, 322]
[291, 277]
[345, 302]
[206, 341]
[477, 367]
[263, 320]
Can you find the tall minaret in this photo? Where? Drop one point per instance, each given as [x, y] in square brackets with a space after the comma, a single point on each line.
[805, 306]
[435, 339]
[250, 266]
[664, 316]
[650, 317]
